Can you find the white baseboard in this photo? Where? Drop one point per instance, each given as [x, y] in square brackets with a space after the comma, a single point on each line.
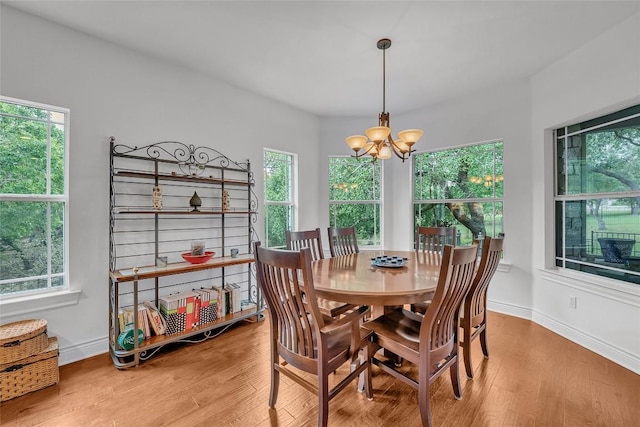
[604, 349]
[510, 309]
[598, 346]
[82, 351]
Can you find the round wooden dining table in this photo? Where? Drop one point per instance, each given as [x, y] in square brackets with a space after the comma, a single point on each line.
[355, 280]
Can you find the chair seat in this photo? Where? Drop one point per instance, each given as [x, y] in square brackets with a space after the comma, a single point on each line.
[333, 308]
[402, 327]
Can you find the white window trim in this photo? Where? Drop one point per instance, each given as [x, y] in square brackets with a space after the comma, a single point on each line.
[26, 302]
[362, 202]
[504, 266]
[611, 288]
[294, 187]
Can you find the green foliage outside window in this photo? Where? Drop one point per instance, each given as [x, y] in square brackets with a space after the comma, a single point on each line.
[461, 187]
[278, 197]
[598, 196]
[32, 153]
[354, 197]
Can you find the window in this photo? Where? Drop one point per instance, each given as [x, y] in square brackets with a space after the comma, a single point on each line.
[279, 196]
[597, 200]
[461, 187]
[355, 198]
[34, 140]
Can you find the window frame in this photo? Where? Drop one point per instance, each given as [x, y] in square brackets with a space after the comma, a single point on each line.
[441, 201]
[379, 202]
[46, 198]
[293, 191]
[560, 261]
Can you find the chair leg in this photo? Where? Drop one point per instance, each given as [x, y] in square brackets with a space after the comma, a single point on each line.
[483, 342]
[368, 386]
[454, 372]
[466, 351]
[323, 399]
[275, 385]
[275, 376]
[423, 402]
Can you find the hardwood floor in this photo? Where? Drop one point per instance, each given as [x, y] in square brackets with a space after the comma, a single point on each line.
[533, 377]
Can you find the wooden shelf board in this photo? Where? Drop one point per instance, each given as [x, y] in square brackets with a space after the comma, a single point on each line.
[151, 271]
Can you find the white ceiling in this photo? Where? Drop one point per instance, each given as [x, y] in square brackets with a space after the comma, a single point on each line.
[321, 56]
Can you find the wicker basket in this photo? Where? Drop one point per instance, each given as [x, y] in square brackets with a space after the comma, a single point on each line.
[30, 374]
[22, 339]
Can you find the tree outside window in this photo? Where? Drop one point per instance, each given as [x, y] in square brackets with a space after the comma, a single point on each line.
[279, 206]
[355, 198]
[461, 187]
[598, 196]
[33, 199]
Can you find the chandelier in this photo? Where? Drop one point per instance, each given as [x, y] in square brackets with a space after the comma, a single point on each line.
[379, 143]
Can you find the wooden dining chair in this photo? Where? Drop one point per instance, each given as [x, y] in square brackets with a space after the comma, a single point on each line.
[311, 239]
[432, 239]
[474, 313]
[431, 341]
[343, 241]
[300, 336]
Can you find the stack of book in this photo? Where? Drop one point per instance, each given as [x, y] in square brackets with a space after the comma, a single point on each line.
[208, 300]
[179, 311]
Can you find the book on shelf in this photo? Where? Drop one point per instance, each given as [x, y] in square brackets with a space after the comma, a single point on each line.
[156, 321]
[223, 301]
[143, 321]
[235, 296]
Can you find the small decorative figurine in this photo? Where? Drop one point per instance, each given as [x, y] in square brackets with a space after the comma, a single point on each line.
[225, 200]
[195, 202]
[157, 198]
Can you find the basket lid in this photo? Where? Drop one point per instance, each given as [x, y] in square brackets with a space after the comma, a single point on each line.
[22, 329]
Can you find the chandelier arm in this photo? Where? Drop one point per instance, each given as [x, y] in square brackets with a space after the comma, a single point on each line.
[395, 150]
[364, 153]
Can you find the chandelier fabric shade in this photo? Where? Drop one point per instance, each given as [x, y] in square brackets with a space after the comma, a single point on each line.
[378, 142]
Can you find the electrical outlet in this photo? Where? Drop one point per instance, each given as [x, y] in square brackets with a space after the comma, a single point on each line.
[573, 301]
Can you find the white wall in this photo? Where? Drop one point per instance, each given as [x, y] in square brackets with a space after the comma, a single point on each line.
[601, 77]
[498, 113]
[139, 100]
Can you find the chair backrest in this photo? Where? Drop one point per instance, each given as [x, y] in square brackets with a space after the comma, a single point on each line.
[439, 328]
[343, 241]
[476, 300]
[286, 280]
[311, 239]
[434, 238]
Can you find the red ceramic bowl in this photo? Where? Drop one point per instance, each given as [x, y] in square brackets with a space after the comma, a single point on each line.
[198, 259]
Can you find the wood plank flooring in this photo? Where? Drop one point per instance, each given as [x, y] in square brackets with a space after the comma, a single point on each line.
[533, 378]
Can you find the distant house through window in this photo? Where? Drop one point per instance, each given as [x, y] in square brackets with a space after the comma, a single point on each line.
[34, 142]
[461, 187]
[597, 198]
[355, 198]
[279, 196]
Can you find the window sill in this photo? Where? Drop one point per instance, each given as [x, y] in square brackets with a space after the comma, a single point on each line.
[32, 303]
[610, 288]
